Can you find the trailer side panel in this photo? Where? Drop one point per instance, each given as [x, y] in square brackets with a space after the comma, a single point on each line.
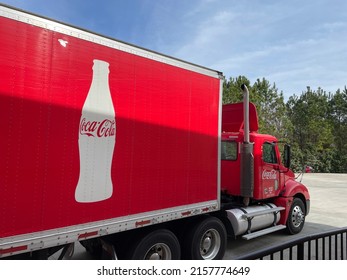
[167, 118]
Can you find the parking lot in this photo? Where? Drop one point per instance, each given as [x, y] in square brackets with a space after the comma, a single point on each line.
[328, 211]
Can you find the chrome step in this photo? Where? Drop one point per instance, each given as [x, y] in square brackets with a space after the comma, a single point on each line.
[263, 232]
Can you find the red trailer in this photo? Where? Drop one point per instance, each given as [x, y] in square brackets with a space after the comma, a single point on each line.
[116, 146]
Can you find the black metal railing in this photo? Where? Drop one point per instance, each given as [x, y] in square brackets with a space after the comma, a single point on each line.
[331, 245]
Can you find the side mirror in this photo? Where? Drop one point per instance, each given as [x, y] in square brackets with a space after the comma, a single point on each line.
[286, 156]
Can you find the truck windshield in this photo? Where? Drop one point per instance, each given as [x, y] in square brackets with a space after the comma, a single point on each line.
[229, 150]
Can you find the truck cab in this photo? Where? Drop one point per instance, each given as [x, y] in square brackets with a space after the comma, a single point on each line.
[270, 179]
[269, 171]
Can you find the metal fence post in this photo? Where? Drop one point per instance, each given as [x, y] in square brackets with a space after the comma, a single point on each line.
[300, 252]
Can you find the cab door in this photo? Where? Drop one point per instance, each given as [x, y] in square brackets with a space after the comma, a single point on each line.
[270, 171]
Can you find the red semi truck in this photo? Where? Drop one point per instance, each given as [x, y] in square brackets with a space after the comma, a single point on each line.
[128, 150]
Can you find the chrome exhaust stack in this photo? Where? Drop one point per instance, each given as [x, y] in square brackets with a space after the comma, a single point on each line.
[247, 158]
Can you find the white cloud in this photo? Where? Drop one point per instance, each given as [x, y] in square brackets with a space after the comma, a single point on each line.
[279, 42]
[206, 38]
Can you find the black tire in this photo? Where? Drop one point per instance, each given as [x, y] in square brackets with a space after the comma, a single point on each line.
[160, 244]
[206, 240]
[296, 216]
[93, 247]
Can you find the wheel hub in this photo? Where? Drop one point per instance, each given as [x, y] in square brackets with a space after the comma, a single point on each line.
[297, 216]
[210, 244]
[206, 245]
[158, 251]
[154, 256]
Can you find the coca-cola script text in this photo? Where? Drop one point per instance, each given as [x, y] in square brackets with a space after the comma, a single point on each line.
[269, 175]
[104, 128]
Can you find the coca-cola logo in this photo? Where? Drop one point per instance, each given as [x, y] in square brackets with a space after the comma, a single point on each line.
[269, 175]
[104, 128]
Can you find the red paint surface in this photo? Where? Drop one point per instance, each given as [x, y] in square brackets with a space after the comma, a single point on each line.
[167, 127]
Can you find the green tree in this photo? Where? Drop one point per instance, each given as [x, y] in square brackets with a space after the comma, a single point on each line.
[312, 131]
[232, 89]
[314, 123]
[338, 117]
[270, 104]
[272, 113]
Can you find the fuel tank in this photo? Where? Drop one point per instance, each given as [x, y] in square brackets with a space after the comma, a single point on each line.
[253, 218]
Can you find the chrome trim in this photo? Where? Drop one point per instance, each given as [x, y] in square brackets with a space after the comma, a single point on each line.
[65, 235]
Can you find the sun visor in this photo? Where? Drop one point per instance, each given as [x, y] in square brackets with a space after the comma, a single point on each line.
[232, 117]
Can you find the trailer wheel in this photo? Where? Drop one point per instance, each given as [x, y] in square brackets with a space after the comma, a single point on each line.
[296, 217]
[93, 246]
[161, 244]
[206, 240]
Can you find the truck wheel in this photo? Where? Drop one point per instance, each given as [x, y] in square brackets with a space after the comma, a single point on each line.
[206, 240]
[93, 247]
[161, 244]
[296, 217]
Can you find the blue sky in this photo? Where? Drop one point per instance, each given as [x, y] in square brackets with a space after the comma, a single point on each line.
[293, 44]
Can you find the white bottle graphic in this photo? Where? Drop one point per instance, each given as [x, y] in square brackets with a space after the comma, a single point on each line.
[96, 140]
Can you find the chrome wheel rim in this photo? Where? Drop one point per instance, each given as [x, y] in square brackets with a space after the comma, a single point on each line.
[298, 216]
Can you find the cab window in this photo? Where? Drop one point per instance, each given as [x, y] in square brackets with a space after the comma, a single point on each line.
[269, 153]
[229, 150]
